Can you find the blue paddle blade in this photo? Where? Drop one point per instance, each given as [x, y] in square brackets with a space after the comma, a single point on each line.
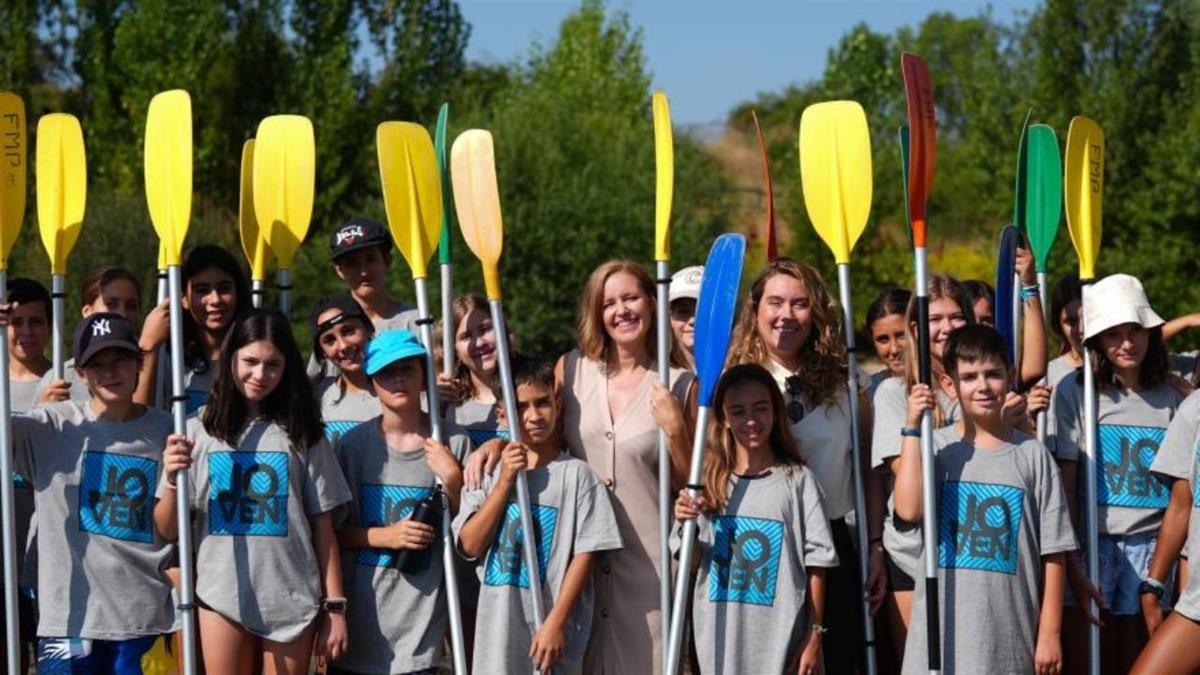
[1006, 260]
[715, 308]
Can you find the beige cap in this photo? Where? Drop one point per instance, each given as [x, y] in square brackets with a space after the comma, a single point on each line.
[1116, 300]
[686, 283]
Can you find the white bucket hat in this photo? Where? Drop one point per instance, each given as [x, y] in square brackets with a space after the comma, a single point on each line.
[686, 283]
[1116, 300]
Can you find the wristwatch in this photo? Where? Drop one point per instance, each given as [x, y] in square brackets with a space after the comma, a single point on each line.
[334, 605]
[1151, 585]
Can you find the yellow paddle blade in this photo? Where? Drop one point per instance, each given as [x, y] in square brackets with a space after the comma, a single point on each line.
[477, 202]
[14, 148]
[61, 186]
[412, 190]
[162, 255]
[284, 180]
[664, 164]
[168, 166]
[254, 244]
[835, 170]
[1083, 190]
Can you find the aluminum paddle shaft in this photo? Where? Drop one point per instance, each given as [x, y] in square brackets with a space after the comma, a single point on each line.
[8, 507]
[1091, 511]
[58, 296]
[448, 327]
[928, 487]
[528, 535]
[690, 528]
[183, 500]
[457, 641]
[860, 496]
[663, 269]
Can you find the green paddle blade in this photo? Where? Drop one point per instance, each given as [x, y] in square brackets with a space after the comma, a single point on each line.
[445, 256]
[1043, 191]
[1083, 184]
[1019, 187]
[14, 146]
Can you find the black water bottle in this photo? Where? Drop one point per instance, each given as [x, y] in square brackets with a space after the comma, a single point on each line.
[428, 511]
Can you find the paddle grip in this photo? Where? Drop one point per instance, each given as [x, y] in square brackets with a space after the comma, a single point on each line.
[8, 505]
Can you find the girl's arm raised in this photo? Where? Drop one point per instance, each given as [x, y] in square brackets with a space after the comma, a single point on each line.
[156, 330]
[908, 499]
[332, 637]
[548, 643]
[476, 534]
[1033, 345]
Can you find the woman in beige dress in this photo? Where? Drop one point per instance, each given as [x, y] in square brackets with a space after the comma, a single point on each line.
[614, 406]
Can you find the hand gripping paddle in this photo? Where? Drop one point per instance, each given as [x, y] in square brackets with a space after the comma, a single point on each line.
[714, 319]
[835, 171]
[168, 172]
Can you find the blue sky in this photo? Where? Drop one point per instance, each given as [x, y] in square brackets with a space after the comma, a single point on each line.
[710, 55]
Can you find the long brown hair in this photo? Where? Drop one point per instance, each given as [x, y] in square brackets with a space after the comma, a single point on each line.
[1153, 371]
[940, 286]
[594, 341]
[823, 354]
[460, 308]
[722, 448]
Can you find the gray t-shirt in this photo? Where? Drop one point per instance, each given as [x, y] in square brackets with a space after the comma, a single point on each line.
[342, 410]
[1000, 512]
[396, 621]
[101, 561]
[24, 395]
[901, 540]
[252, 500]
[1131, 425]
[1179, 459]
[572, 505]
[478, 418]
[748, 603]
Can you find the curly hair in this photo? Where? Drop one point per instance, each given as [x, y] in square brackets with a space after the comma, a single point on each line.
[823, 354]
[722, 455]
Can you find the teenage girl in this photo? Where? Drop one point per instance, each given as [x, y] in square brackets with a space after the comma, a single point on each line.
[764, 539]
[264, 483]
[886, 329]
[341, 331]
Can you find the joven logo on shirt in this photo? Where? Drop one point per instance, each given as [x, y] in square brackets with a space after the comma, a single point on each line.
[979, 526]
[1124, 478]
[248, 493]
[745, 560]
[116, 496]
[383, 505]
[506, 558]
[335, 429]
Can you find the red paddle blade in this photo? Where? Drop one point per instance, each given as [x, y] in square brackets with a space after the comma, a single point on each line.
[922, 125]
[772, 246]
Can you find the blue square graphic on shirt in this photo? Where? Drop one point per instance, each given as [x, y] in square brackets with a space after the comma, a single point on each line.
[335, 429]
[116, 496]
[248, 493]
[979, 527]
[506, 557]
[196, 398]
[381, 505]
[745, 560]
[1123, 475]
[1196, 478]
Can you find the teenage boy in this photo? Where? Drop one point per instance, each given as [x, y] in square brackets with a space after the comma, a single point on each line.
[574, 524]
[1003, 524]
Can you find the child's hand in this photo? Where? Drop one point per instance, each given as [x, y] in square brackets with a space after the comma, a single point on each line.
[57, 390]
[876, 586]
[408, 534]
[178, 455]
[6, 310]
[1037, 399]
[513, 461]
[920, 400]
[1012, 412]
[810, 658]
[333, 638]
[1085, 591]
[481, 462]
[440, 461]
[668, 414]
[687, 508]
[156, 328]
[446, 389]
[1024, 267]
[1151, 612]
[547, 646]
[1047, 658]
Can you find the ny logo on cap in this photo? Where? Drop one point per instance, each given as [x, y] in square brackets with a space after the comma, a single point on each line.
[348, 234]
[101, 327]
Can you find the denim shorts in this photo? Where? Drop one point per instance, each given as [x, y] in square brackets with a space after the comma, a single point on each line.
[1124, 563]
[92, 657]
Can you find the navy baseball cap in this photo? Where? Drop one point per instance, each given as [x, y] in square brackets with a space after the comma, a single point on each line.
[358, 233]
[103, 330]
[389, 347]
